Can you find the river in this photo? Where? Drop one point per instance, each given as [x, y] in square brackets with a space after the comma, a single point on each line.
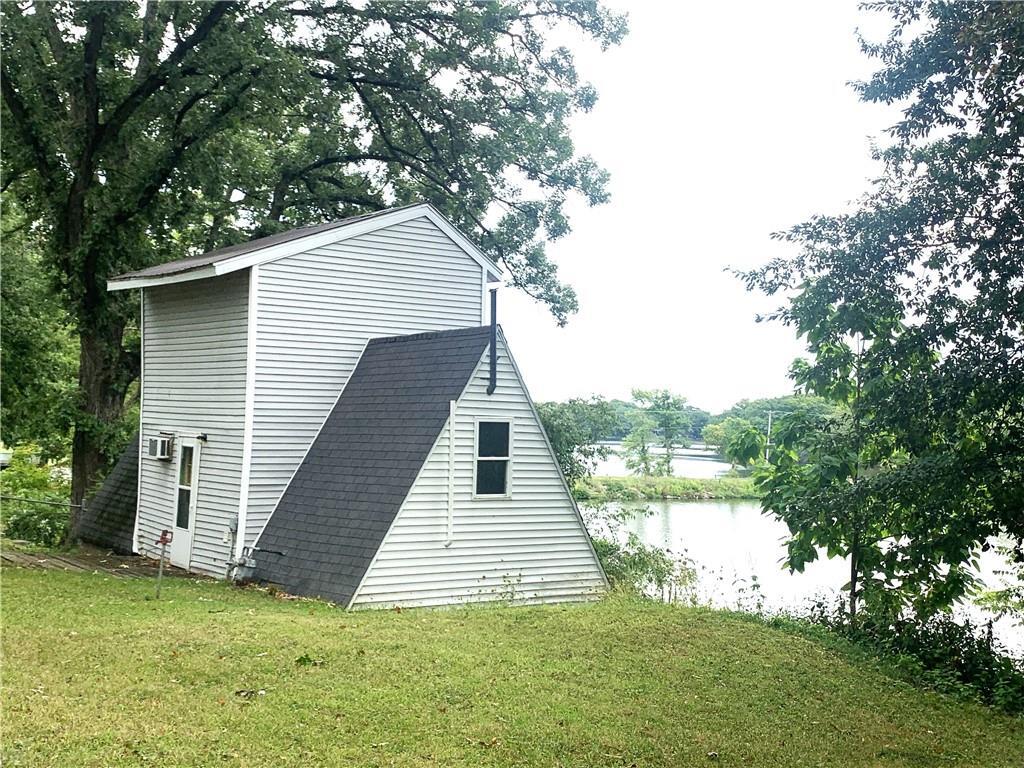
[737, 552]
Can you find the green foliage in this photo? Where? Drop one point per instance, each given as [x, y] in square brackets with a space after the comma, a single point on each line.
[672, 423]
[745, 445]
[1008, 598]
[910, 306]
[636, 448]
[659, 418]
[604, 489]
[940, 653]
[718, 434]
[639, 568]
[755, 412]
[574, 428]
[136, 133]
[631, 565]
[626, 414]
[39, 355]
[698, 419]
[27, 478]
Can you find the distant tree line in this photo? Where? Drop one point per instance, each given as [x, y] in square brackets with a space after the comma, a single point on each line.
[656, 423]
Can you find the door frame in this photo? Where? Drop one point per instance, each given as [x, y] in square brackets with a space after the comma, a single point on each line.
[196, 445]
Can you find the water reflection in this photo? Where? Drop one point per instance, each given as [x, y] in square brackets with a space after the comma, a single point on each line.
[732, 545]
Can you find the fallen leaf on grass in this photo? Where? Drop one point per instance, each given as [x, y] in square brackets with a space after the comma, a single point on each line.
[492, 743]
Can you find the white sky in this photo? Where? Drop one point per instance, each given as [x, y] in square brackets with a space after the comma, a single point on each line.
[720, 123]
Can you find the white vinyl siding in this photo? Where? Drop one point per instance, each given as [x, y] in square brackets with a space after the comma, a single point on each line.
[317, 310]
[194, 382]
[531, 547]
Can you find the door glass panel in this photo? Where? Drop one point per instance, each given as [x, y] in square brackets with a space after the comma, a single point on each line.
[184, 502]
[182, 519]
[185, 466]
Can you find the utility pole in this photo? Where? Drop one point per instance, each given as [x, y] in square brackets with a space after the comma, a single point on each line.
[768, 441]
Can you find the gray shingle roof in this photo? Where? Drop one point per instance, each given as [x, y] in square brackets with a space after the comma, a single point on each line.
[344, 496]
[108, 519]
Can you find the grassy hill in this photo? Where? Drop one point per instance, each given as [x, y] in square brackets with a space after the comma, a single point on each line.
[96, 673]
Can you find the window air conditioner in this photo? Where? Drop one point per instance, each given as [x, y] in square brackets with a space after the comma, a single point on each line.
[160, 448]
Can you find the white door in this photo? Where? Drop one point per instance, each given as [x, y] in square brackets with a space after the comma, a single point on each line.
[185, 493]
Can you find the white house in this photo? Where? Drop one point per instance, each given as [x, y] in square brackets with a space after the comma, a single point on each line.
[327, 410]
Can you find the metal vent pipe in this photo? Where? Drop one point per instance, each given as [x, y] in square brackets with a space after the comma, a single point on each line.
[494, 342]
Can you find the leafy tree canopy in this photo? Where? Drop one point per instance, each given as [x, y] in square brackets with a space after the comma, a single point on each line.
[756, 411]
[574, 428]
[39, 351]
[140, 132]
[912, 307]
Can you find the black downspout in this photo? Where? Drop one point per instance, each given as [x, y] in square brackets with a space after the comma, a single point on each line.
[494, 342]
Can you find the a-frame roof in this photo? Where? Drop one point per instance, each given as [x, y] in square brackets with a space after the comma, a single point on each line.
[342, 500]
[264, 249]
[108, 518]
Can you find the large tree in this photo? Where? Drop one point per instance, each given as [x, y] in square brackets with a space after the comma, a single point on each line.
[137, 132]
[38, 355]
[912, 307]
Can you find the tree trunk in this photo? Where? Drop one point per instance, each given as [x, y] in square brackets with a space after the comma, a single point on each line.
[854, 568]
[101, 401]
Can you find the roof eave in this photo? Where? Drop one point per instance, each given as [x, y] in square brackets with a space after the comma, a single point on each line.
[128, 283]
[281, 250]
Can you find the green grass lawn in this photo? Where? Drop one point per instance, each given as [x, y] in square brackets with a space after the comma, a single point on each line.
[95, 673]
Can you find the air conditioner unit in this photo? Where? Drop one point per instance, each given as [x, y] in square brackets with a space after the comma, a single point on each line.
[160, 448]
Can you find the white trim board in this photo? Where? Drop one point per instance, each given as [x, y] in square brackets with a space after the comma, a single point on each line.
[142, 411]
[250, 406]
[338, 234]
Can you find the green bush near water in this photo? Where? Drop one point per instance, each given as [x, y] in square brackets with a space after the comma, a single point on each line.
[605, 489]
[39, 519]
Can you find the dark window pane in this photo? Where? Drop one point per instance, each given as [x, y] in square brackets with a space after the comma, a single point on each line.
[491, 478]
[184, 499]
[493, 438]
[185, 466]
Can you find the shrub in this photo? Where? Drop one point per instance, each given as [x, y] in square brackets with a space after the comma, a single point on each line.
[601, 489]
[25, 478]
[939, 652]
[636, 567]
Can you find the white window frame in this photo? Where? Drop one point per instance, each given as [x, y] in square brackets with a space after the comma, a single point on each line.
[477, 458]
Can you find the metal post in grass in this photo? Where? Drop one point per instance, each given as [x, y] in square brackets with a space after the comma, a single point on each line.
[166, 537]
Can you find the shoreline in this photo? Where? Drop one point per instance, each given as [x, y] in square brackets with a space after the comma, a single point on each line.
[605, 489]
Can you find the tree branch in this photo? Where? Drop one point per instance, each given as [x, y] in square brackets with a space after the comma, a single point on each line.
[162, 74]
[19, 113]
[173, 157]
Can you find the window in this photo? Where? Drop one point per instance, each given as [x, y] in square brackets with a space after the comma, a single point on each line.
[184, 487]
[493, 453]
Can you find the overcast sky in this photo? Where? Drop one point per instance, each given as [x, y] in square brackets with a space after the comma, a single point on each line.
[720, 123]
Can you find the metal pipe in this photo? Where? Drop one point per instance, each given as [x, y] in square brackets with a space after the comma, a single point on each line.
[494, 342]
[450, 525]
